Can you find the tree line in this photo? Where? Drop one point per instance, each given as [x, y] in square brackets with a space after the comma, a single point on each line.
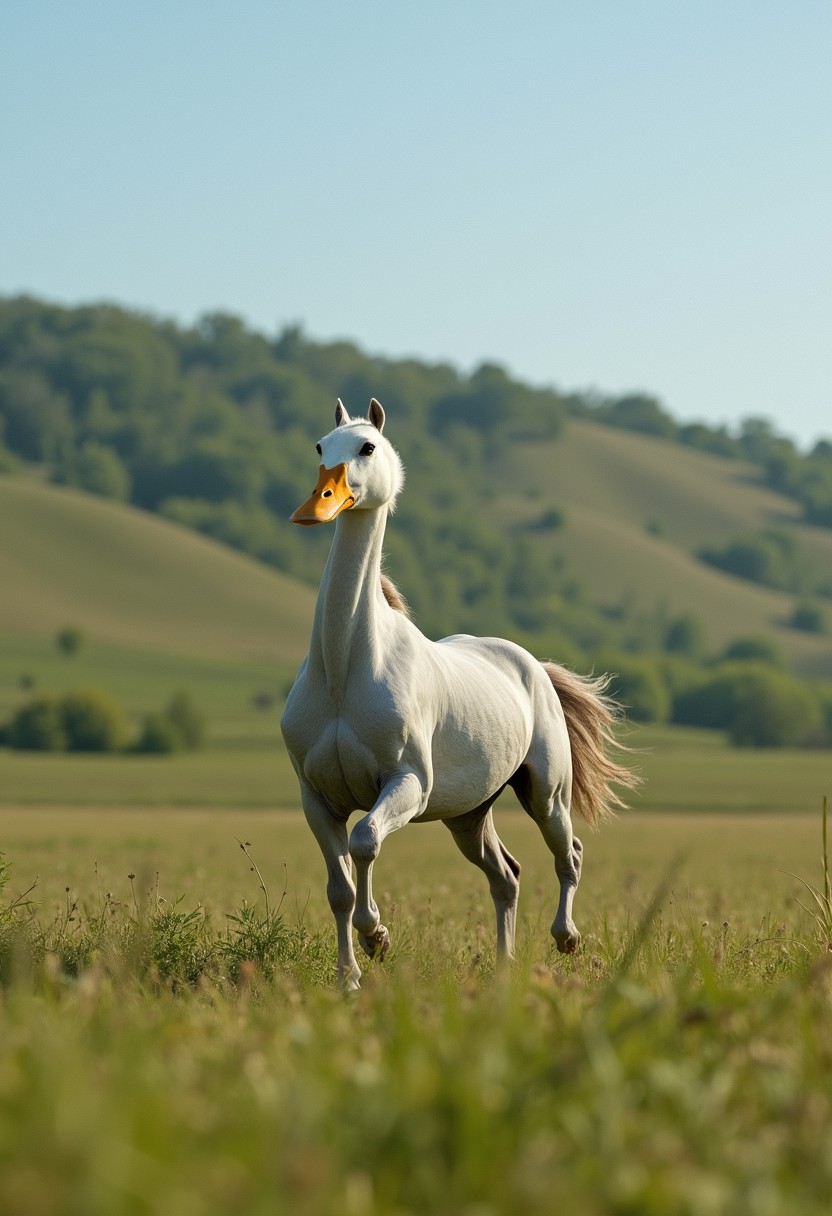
[213, 425]
[804, 477]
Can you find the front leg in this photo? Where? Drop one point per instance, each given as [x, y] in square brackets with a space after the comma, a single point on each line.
[331, 835]
[401, 799]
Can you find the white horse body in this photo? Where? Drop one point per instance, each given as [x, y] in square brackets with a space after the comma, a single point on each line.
[383, 720]
[464, 741]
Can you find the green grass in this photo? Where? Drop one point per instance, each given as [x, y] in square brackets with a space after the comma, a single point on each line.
[678, 1063]
[243, 763]
[170, 1044]
[195, 853]
[688, 769]
[223, 685]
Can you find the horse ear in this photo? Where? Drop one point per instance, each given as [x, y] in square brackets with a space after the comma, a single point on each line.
[341, 415]
[377, 415]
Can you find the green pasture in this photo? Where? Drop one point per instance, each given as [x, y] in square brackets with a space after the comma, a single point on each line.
[724, 867]
[224, 687]
[172, 1043]
[679, 1063]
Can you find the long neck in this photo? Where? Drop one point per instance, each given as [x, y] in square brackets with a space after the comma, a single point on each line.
[346, 627]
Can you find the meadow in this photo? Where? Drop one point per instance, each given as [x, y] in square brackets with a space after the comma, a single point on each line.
[678, 1063]
[171, 1043]
[171, 1036]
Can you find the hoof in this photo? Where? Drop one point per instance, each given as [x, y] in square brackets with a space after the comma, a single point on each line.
[567, 940]
[375, 944]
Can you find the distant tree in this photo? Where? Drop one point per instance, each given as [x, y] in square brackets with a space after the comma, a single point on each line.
[38, 419]
[159, 736]
[179, 726]
[497, 407]
[678, 673]
[638, 685]
[712, 700]
[9, 463]
[93, 721]
[816, 495]
[809, 617]
[550, 520]
[758, 440]
[99, 470]
[69, 640]
[770, 557]
[775, 710]
[808, 479]
[37, 726]
[685, 636]
[752, 649]
[217, 470]
[638, 412]
[758, 705]
[715, 440]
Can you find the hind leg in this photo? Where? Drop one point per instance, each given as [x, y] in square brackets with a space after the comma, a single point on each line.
[548, 806]
[476, 838]
[568, 861]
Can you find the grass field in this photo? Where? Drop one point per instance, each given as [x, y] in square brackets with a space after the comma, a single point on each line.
[196, 854]
[171, 1044]
[167, 1046]
[678, 1063]
[245, 766]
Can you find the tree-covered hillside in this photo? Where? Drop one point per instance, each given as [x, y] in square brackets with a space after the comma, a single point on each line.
[214, 427]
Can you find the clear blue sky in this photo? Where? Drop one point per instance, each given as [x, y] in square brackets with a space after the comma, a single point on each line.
[620, 195]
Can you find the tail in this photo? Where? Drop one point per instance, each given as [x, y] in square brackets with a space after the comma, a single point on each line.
[590, 717]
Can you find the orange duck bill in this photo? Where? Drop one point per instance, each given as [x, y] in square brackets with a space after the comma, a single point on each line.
[331, 496]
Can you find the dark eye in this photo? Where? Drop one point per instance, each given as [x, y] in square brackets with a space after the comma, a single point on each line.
[318, 448]
[368, 449]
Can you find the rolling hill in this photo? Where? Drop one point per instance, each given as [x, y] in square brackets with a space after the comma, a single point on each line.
[636, 509]
[214, 426]
[131, 579]
[165, 608]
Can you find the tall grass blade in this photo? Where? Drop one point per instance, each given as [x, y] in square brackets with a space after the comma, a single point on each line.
[825, 858]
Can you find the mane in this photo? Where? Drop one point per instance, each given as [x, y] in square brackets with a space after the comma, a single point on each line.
[394, 597]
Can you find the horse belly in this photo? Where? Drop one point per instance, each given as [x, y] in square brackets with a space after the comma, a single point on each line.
[470, 767]
[485, 732]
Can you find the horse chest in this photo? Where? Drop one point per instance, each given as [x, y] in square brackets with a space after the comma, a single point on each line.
[340, 751]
